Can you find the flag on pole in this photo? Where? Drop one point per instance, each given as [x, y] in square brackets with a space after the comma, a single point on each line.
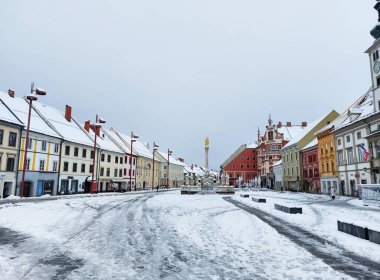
[155, 145]
[364, 152]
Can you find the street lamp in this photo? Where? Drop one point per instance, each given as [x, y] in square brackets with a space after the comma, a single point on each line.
[133, 139]
[155, 148]
[169, 154]
[97, 126]
[33, 96]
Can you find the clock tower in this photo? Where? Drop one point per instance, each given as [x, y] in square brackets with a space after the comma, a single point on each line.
[373, 53]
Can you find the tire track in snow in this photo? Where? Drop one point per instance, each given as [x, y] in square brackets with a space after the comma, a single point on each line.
[333, 255]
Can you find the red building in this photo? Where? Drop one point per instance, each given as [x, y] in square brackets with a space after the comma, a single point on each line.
[310, 162]
[242, 163]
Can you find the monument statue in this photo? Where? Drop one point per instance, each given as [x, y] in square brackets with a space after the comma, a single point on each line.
[207, 143]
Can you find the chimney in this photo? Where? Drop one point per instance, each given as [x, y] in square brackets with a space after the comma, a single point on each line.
[11, 93]
[304, 124]
[87, 126]
[279, 125]
[289, 124]
[68, 113]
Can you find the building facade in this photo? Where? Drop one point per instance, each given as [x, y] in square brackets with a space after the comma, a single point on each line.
[291, 157]
[243, 163]
[172, 171]
[10, 136]
[277, 170]
[310, 162]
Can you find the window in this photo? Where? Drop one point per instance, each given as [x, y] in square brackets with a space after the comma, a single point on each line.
[91, 168]
[327, 167]
[102, 171]
[30, 143]
[339, 142]
[56, 148]
[360, 155]
[331, 147]
[116, 160]
[10, 163]
[340, 158]
[92, 154]
[378, 81]
[241, 166]
[75, 167]
[375, 55]
[115, 173]
[247, 158]
[121, 160]
[359, 135]
[84, 153]
[270, 135]
[1, 136]
[120, 172]
[108, 172]
[321, 151]
[273, 147]
[83, 168]
[350, 156]
[12, 139]
[348, 138]
[76, 151]
[109, 158]
[28, 164]
[279, 146]
[247, 165]
[42, 165]
[55, 166]
[43, 145]
[67, 150]
[332, 167]
[102, 157]
[66, 166]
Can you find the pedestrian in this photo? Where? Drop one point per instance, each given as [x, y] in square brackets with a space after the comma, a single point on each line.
[157, 188]
[333, 192]
[282, 188]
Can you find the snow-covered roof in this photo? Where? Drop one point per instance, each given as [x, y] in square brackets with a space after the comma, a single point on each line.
[113, 135]
[70, 131]
[20, 108]
[105, 142]
[138, 147]
[172, 160]
[302, 133]
[290, 132]
[361, 109]
[7, 115]
[312, 144]
[252, 146]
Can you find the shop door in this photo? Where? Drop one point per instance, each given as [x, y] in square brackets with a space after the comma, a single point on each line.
[48, 187]
[40, 187]
[64, 186]
[27, 189]
[7, 191]
[74, 186]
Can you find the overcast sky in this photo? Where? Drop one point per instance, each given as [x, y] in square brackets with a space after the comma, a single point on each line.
[176, 71]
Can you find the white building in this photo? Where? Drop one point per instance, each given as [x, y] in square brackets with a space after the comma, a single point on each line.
[42, 165]
[172, 171]
[277, 170]
[76, 160]
[10, 135]
[129, 164]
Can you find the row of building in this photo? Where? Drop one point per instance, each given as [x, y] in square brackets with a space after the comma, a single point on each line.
[338, 150]
[61, 153]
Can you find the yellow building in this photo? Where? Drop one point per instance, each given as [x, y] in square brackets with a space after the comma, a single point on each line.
[144, 176]
[327, 159]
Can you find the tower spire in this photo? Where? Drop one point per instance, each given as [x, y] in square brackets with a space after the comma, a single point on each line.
[375, 32]
[270, 120]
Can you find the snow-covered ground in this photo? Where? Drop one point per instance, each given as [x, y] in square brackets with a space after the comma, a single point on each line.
[320, 216]
[148, 236]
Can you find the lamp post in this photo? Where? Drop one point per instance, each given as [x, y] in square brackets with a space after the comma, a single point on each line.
[133, 139]
[97, 126]
[155, 147]
[169, 154]
[33, 96]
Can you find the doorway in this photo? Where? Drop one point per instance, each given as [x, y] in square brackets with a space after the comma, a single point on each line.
[7, 190]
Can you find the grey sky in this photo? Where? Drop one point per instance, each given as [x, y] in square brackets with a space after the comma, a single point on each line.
[177, 71]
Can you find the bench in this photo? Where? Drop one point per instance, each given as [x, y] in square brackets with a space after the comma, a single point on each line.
[360, 232]
[259, 200]
[244, 195]
[288, 209]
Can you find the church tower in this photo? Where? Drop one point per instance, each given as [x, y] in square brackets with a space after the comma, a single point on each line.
[373, 53]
